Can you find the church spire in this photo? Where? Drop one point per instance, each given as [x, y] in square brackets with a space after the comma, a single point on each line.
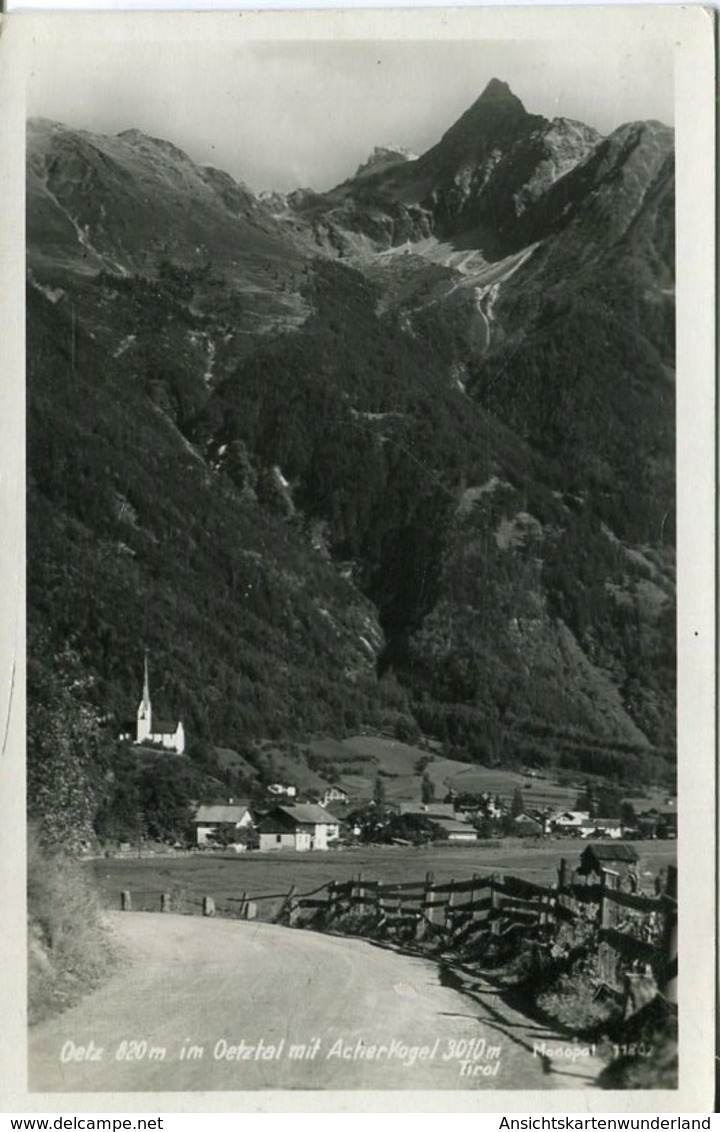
[146, 684]
[144, 712]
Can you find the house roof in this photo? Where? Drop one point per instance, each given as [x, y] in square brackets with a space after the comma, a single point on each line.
[610, 851]
[429, 810]
[600, 823]
[221, 814]
[307, 814]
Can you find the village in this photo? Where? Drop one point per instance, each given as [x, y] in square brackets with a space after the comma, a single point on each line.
[283, 816]
[301, 825]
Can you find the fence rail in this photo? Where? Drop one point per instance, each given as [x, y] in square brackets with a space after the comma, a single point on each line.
[632, 928]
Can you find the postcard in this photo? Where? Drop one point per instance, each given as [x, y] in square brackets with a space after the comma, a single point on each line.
[358, 631]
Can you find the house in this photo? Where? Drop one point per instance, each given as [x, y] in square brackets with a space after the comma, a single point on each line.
[300, 827]
[432, 810]
[658, 821]
[280, 789]
[452, 830]
[334, 794]
[602, 827]
[614, 856]
[209, 819]
[167, 734]
[568, 821]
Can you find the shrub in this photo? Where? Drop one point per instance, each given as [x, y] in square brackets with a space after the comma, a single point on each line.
[69, 948]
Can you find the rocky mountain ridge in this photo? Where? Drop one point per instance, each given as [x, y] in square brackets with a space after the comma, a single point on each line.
[399, 454]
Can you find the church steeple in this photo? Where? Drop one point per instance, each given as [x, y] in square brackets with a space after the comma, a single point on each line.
[146, 683]
[144, 712]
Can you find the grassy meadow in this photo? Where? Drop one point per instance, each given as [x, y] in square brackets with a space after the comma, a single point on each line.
[357, 762]
[226, 877]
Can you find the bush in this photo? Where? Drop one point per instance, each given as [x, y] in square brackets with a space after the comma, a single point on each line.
[69, 948]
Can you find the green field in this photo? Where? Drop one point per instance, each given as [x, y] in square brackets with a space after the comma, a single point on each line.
[360, 759]
[257, 874]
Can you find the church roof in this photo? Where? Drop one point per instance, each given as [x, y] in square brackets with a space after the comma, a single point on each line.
[165, 726]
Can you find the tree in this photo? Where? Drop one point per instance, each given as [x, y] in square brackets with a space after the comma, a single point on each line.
[609, 801]
[379, 791]
[517, 806]
[427, 789]
[485, 827]
[63, 748]
[588, 800]
[165, 799]
[627, 814]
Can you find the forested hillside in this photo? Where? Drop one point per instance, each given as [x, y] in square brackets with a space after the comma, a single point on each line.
[360, 460]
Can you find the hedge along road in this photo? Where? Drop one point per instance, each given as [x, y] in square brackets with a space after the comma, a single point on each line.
[206, 1004]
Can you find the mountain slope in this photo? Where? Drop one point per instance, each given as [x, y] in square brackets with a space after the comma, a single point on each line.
[403, 447]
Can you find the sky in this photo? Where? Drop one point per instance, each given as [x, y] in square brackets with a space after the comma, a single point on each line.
[280, 115]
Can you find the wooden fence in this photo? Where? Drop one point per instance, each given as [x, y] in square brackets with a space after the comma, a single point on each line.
[633, 931]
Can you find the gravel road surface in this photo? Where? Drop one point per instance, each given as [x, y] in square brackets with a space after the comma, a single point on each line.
[204, 1004]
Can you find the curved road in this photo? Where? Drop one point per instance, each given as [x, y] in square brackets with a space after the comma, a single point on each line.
[219, 1005]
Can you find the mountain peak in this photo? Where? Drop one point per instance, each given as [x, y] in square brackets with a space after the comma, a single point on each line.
[496, 89]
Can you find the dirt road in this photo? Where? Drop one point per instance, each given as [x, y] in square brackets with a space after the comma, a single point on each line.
[220, 1005]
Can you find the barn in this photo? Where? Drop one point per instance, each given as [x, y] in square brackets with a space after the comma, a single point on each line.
[610, 856]
[301, 827]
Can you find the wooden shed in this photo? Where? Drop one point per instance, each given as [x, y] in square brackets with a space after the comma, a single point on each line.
[617, 856]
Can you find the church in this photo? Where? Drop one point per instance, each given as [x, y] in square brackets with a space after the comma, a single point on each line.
[168, 734]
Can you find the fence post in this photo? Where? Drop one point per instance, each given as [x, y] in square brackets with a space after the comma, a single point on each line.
[563, 869]
[431, 910]
[669, 983]
[165, 902]
[608, 883]
[495, 903]
[125, 901]
[287, 906]
[208, 906]
[332, 898]
[607, 962]
[473, 890]
[449, 907]
[243, 904]
[566, 881]
[544, 909]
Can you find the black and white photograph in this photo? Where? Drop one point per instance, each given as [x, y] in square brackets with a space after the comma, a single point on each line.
[355, 528]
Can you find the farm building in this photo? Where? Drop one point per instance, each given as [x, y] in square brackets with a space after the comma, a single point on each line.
[658, 821]
[300, 827]
[280, 788]
[334, 794]
[444, 811]
[452, 830]
[602, 827]
[569, 820]
[605, 855]
[209, 820]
